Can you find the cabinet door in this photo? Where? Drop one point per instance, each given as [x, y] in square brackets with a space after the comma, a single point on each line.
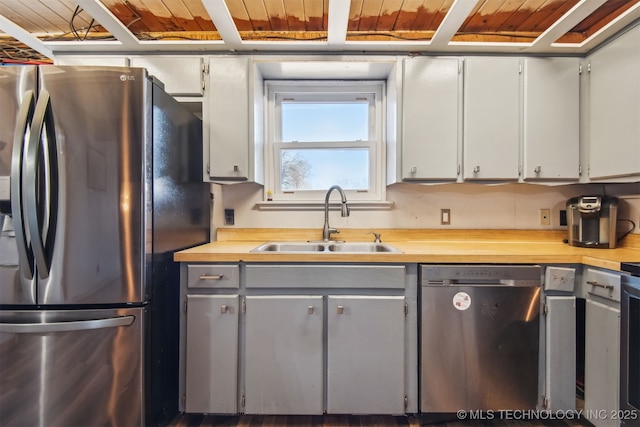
[365, 354]
[491, 118]
[431, 130]
[614, 122]
[601, 363]
[229, 118]
[212, 354]
[283, 358]
[551, 119]
[560, 351]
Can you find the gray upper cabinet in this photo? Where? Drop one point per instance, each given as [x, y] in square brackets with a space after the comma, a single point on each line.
[551, 138]
[235, 120]
[431, 125]
[492, 111]
[614, 108]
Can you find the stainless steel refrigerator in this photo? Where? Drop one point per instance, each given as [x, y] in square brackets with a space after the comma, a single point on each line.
[100, 182]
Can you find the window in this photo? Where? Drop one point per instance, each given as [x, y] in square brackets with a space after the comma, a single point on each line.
[322, 133]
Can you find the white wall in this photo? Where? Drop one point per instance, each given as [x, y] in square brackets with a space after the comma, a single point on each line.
[473, 206]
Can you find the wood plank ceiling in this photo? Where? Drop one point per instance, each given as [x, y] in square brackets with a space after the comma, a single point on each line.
[49, 27]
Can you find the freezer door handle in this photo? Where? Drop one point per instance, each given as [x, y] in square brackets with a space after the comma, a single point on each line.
[42, 203]
[25, 116]
[80, 325]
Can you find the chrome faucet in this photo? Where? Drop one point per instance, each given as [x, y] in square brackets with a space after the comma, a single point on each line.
[326, 230]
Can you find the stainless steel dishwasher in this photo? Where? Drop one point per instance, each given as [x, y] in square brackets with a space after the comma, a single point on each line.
[479, 337]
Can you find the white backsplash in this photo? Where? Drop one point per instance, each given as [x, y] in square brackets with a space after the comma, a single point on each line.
[473, 206]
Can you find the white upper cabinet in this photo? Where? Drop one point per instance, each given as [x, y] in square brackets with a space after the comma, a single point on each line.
[93, 60]
[181, 75]
[492, 106]
[234, 119]
[551, 137]
[614, 108]
[431, 125]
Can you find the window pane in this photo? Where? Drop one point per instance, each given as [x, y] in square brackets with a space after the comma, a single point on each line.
[306, 122]
[318, 169]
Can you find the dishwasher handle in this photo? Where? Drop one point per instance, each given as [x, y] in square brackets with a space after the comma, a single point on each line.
[497, 282]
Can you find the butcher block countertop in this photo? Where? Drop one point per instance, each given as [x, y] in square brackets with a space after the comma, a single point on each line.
[417, 246]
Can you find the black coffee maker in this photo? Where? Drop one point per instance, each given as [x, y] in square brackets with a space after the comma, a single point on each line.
[592, 221]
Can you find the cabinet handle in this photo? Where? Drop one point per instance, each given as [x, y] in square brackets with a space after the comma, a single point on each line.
[340, 309]
[414, 169]
[310, 309]
[537, 169]
[223, 309]
[594, 283]
[211, 277]
[476, 169]
[236, 168]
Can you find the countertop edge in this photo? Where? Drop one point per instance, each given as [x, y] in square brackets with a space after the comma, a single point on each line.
[484, 246]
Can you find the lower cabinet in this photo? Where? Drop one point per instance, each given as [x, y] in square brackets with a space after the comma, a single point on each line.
[283, 356]
[284, 353]
[299, 340]
[602, 363]
[602, 347]
[365, 357]
[211, 354]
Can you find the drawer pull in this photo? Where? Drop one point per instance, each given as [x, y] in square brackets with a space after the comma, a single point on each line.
[340, 309]
[600, 285]
[211, 277]
[310, 309]
[223, 309]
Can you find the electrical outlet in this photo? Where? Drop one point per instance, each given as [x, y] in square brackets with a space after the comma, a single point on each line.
[445, 216]
[563, 217]
[545, 216]
[229, 217]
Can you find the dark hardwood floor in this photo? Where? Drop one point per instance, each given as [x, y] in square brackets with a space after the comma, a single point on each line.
[441, 420]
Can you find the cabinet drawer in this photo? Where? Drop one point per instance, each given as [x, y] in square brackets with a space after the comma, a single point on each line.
[603, 284]
[326, 276]
[213, 276]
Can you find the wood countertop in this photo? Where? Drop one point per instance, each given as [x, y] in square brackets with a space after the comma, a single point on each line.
[417, 246]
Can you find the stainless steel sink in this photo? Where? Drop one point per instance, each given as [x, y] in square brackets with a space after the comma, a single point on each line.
[326, 247]
[361, 247]
[290, 247]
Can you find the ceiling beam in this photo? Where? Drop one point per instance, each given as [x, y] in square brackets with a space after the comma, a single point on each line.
[454, 19]
[222, 19]
[627, 18]
[563, 25]
[338, 22]
[101, 14]
[22, 35]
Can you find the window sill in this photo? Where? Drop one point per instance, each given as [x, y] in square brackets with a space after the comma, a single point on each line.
[318, 206]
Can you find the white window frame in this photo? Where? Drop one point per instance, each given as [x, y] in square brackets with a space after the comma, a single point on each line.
[327, 90]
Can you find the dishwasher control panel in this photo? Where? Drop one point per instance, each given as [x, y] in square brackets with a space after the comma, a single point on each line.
[481, 274]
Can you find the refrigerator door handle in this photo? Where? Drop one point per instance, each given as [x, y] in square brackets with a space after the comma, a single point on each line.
[41, 197]
[80, 325]
[23, 120]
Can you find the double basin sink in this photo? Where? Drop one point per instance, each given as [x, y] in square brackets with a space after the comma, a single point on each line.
[326, 247]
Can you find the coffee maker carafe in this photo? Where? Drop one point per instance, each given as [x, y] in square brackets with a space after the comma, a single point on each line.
[592, 221]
